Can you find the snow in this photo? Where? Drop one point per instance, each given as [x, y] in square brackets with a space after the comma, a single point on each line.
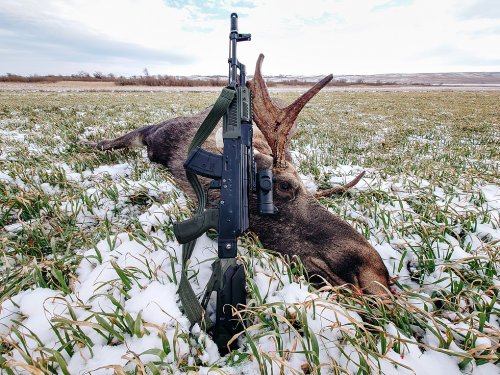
[309, 183]
[155, 310]
[155, 299]
[5, 178]
[13, 228]
[113, 171]
[491, 194]
[152, 270]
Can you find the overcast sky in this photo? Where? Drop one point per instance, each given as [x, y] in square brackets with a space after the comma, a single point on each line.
[304, 37]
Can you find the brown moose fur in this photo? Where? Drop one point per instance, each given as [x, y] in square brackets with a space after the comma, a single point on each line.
[329, 248]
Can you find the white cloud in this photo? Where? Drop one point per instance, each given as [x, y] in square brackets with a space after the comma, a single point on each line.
[297, 37]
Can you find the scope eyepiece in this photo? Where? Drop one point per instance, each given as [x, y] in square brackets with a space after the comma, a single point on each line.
[265, 192]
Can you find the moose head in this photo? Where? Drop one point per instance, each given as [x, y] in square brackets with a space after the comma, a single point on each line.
[329, 247]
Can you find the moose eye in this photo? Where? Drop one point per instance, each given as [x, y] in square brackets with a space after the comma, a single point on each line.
[284, 185]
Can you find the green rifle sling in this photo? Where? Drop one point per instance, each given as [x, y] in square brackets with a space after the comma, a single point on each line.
[190, 304]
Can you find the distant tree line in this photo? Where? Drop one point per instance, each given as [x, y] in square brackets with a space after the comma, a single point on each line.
[80, 76]
[144, 80]
[167, 80]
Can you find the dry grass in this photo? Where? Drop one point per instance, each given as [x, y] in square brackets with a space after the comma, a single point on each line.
[428, 156]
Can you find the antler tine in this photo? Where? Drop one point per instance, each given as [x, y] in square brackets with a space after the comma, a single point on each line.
[260, 94]
[289, 115]
[295, 108]
[275, 122]
[265, 111]
[339, 189]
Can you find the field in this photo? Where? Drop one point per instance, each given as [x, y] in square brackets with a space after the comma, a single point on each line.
[89, 268]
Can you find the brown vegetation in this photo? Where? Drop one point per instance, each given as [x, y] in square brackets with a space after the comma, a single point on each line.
[167, 80]
[81, 76]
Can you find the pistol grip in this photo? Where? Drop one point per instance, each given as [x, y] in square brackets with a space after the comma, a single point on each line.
[191, 229]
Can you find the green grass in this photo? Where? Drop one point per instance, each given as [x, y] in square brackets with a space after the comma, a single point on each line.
[438, 148]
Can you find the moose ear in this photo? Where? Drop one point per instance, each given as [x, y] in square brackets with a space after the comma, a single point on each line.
[263, 161]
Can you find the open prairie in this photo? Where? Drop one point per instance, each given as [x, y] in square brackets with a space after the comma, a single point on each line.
[370, 86]
[89, 266]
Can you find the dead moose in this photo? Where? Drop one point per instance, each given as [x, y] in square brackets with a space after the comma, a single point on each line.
[329, 248]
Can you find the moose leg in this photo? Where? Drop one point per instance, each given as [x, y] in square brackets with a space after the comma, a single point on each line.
[133, 139]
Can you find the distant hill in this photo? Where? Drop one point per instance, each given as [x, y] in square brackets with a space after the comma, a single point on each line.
[465, 78]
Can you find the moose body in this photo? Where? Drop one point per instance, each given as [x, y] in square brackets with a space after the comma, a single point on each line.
[329, 248]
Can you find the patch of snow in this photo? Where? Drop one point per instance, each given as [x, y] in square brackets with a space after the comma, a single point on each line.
[309, 183]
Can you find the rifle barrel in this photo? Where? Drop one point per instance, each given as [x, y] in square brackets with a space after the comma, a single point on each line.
[233, 41]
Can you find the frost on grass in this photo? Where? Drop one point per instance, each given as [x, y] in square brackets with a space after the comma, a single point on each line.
[90, 269]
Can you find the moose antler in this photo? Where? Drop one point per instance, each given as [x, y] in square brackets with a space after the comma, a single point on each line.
[339, 189]
[277, 123]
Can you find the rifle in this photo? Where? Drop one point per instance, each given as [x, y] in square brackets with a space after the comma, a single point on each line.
[234, 173]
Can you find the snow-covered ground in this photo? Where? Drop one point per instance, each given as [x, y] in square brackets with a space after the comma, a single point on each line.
[118, 310]
[136, 279]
